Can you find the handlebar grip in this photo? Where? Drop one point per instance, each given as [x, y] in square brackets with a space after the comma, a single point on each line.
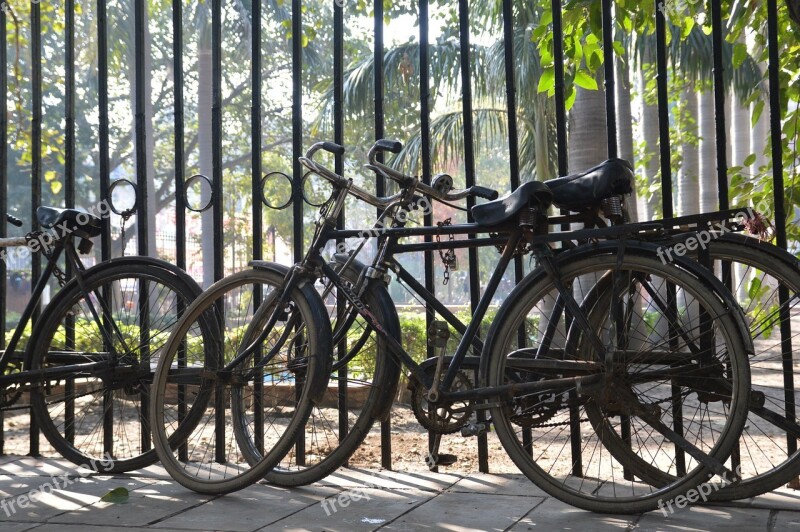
[333, 148]
[393, 146]
[13, 220]
[484, 192]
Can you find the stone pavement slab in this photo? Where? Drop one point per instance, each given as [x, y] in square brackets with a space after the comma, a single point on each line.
[349, 500]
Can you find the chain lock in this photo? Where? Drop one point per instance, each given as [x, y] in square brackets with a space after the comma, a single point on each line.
[448, 256]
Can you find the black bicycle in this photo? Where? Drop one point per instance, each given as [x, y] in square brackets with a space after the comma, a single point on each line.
[87, 364]
[552, 365]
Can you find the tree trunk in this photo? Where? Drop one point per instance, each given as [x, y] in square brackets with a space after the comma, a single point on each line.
[649, 133]
[709, 198]
[625, 126]
[689, 173]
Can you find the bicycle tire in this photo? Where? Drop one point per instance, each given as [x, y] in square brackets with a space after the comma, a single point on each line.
[206, 458]
[368, 373]
[538, 411]
[105, 429]
[763, 458]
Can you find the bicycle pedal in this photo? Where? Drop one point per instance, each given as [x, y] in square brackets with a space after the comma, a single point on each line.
[445, 460]
[474, 429]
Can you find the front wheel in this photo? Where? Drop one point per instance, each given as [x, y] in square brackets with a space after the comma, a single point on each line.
[255, 383]
[658, 352]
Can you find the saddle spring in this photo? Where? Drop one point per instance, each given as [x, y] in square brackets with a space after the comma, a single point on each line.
[612, 209]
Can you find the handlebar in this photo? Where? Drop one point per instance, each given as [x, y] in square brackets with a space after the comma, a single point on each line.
[340, 181]
[405, 181]
[13, 220]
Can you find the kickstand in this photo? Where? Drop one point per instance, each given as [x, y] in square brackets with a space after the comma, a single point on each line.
[434, 459]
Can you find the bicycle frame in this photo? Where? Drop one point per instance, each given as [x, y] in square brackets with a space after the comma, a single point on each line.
[10, 354]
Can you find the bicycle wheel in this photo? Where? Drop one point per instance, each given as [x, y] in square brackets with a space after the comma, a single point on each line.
[767, 454]
[562, 437]
[363, 384]
[198, 429]
[101, 415]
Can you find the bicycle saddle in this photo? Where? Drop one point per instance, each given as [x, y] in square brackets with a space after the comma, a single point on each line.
[79, 222]
[584, 190]
[506, 208]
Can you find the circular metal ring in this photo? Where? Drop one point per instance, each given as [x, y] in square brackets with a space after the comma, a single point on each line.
[198, 178]
[270, 200]
[308, 195]
[123, 212]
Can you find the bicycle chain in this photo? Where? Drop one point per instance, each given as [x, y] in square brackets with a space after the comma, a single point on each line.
[448, 257]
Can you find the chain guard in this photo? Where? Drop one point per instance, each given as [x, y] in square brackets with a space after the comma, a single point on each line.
[444, 418]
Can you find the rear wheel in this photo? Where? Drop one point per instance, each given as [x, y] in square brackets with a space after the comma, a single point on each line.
[563, 437]
[102, 414]
[361, 389]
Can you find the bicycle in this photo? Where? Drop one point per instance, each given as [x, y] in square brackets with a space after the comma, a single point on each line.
[766, 456]
[546, 377]
[87, 362]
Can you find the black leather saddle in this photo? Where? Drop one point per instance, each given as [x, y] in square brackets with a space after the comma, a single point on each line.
[585, 190]
[81, 223]
[506, 208]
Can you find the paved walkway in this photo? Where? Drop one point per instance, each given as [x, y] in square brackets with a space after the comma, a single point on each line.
[349, 500]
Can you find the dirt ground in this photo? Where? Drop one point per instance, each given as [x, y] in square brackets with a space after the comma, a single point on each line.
[409, 445]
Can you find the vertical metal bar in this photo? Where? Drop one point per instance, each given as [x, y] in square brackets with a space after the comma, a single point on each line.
[142, 219]
[3, 191]
[425, 121]
[563, 169]
[561, 109]
[663, 111]
[103, 128]
[666, 198]
[69, 193]
[216, 181]
[180, 180]
[179, 124]
[469, 166]
[36, 166]
[338, 137]
[258, 225]
[140, 128]
[297, 151]
[380, 184]
[780, 214]
[513, 162]
[719, 104]
[608, 67]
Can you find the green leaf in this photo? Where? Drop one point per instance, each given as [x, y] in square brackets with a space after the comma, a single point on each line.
[750, 159]
[569, 100]
[739, 54]
[548, 80]
[687, 26]
[56, 186]
[116, 496]
[755, 286]
[757, 109]
[50, 175]
[584, 80]
[619, 49]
